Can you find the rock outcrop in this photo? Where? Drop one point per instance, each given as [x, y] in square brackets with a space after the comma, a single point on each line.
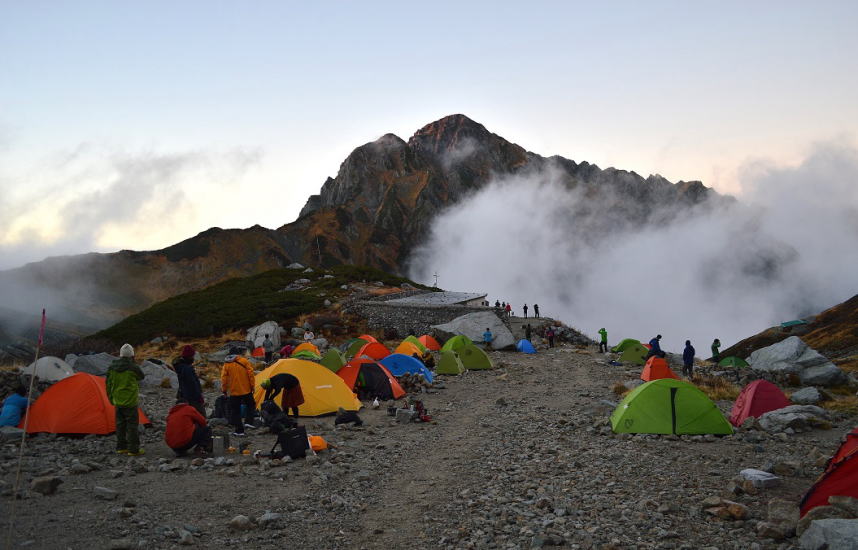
[793, 356]
[473, 325]
[257, 334]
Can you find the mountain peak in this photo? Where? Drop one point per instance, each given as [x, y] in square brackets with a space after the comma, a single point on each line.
[448, 132]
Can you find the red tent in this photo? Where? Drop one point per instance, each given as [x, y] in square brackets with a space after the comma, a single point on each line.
[373, 350]
[757, 398]
[656, 368]
[75, 405]
[430, 343]
[376, 380]
[368, 338]
[840, 476]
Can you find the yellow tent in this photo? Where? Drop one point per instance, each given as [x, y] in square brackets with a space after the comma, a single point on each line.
[324, 392]
[409, 349]
[307, 346]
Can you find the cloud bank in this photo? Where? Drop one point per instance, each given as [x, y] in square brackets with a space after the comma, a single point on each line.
[785, 249]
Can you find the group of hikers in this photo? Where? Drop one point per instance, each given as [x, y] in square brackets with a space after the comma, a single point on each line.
[655, 351]
[488, 337]
[505, 309]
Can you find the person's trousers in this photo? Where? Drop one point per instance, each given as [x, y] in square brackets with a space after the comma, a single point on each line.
[235, 403]
[687, 370]
[202, 437]
[603, 347]
[127, 437]
[268, 355]
[551, 342]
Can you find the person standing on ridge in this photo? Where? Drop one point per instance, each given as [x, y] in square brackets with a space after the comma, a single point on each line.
[525, 311]
[237, 380]
[497, 304]
[550, 335]
[487, 338]
[189, 383]
[536, 311]
[508, 310]
[123, 391]
[603, 343]
[688, 360]
[716, 355]
[268, 346]
[655, 348]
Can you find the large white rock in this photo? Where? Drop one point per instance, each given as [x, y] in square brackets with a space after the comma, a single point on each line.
[793, 356]
[806, 396]
[257, 334]
[96, 364]
[473, 325]
[155, 375]
[49, 368]
[829, 534]
[797, 417]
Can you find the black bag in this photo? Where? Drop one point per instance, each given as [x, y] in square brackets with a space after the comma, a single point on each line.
[293, 442]
[221, 408]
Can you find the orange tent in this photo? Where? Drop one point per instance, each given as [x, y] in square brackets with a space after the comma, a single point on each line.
[368, 338]
[409, 349]
[75, 405]
[375, 381]
[430, 343]
[373, 350]
[656, 367]
[307, 346]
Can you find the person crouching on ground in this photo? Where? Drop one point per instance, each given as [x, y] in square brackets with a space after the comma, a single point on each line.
[14, 407]
[293, 397]
[190, 389]
[237, 381]
[187, 429]
[688, 360]
[123, 391]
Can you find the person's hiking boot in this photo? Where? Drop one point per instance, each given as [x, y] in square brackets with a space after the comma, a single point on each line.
[122, 451]
[139, 452]
[237, 434]
[251, 426]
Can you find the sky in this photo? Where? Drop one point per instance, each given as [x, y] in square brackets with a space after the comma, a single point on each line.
[139, 125]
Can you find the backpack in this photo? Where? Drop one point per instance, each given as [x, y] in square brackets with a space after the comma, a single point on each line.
[221, 408]
[293, 443]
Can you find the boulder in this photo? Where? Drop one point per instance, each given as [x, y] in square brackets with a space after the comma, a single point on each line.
[806, 396]
[257, 334]
[96, 364]
[797, 417]
[298, 332]
[46, 485]
[218, 356]
[821, 513]
[321, 343]
[10, 433]
[793, 356]
[473, 325]
[830, 533]
[156, 373]
[759, 478]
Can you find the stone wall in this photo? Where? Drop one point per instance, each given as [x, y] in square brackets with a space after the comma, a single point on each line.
[404, 319]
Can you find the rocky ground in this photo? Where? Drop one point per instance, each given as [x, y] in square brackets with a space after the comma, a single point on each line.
[517, 457]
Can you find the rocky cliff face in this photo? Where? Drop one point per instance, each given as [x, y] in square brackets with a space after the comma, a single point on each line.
[378, 207]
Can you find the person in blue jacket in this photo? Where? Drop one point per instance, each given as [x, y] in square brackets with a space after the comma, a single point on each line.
[688, 360]
[487, 338]
[14, 407]
[655, 348]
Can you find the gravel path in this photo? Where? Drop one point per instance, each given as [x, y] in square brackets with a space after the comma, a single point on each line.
[518, 457]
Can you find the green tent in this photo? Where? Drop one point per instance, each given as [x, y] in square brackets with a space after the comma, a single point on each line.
[333, 360]
[624, 344]
[449, 363]
[354, 346]
[454, 343]
[416, 342]
[473, 358]
[306, 354]
[732, 361]
[634, 353]
[668, 406]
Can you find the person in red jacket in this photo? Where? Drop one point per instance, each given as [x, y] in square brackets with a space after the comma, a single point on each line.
[186, 429]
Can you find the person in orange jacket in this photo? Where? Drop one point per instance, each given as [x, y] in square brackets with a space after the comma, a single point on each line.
[186, 428]
[237, 380]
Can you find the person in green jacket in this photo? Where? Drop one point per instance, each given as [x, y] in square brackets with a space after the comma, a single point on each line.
[603, 344]
[123, 391]
[716, 356]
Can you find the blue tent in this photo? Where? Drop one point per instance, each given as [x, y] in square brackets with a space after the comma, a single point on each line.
[399, 363]
[525, 346]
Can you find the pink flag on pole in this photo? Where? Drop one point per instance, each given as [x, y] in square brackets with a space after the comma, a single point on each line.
[42, 329]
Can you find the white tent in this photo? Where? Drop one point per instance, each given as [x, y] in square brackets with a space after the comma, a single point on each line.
[49, 368]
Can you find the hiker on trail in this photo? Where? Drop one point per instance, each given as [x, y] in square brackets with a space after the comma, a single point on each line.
[190, 389]
[487, 338]
[291, 388]
[186, 429]
[536, 310]
[550, 335]
[716, 355]
[497, 304]
[688, 359]
[268, 346]
[237, 380]
[525, 310]
[527, 331]
[123, 391]
[508, 310]
[308, 335]
[655, 348]
[603, 342]
[14, 407]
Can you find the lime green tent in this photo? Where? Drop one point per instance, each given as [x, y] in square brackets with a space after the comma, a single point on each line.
[732, 361]
[306, 354]
[473, 358]
[449, 363]
[454, 343]
[416, 342]
[628, 342]
[634, 353]
[668, 406]
[333, 360]
[354, 347]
